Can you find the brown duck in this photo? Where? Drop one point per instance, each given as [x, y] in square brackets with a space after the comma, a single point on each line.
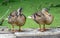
[42, 18]
[17, 18]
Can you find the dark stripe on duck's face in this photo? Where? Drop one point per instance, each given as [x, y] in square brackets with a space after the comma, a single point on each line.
[38, 15]
[34, 16]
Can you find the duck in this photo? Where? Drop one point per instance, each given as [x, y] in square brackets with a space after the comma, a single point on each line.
[17, 18]
[42, 17]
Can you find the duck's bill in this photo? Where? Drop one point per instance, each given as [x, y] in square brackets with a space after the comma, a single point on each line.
[29, 17]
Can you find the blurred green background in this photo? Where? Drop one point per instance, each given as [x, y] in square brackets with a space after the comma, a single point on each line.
[30, 7]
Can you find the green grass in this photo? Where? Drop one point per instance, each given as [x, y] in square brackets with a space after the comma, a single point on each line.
[30, 7]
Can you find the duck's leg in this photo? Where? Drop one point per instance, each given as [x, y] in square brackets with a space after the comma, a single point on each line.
[20, 29]
[13, 28]
[39, 27]
[44, 27]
